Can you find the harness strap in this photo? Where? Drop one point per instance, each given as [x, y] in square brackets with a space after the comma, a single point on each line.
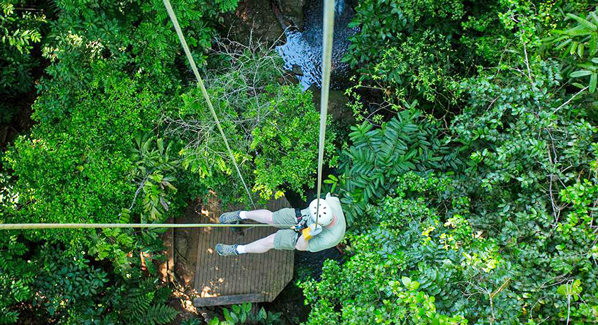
[301, 221]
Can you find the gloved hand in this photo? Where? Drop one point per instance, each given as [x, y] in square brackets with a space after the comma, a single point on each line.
[315, 229]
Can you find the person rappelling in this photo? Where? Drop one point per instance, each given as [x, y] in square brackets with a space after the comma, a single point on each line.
[316, 228]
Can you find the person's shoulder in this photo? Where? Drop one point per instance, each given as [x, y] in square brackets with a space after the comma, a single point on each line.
[333, 202]
[335, 205]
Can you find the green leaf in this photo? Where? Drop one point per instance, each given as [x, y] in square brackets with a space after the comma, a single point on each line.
[580, 73]
[227, 315]
[160, 145]
[146, 145]
[582, 21]
[572, 48]
[588, 66]
[563, 44]
[262, 314]
[273, 318]
[593, 80]
[247, 307]
[593, 45]
[414, 285]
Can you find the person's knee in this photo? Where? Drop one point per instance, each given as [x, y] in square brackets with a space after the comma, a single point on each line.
[269, 241]
[266, 216]
[269, 219]
[301, 244]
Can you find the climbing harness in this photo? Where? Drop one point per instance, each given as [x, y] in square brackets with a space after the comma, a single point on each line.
[326, 69]
[301, 221]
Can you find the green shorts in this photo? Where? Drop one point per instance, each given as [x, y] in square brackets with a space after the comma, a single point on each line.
[285, 239]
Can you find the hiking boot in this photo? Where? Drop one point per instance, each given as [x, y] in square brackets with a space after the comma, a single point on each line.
[231, 217]
[226, 250]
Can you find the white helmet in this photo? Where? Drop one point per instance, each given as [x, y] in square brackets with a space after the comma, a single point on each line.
[325, 212]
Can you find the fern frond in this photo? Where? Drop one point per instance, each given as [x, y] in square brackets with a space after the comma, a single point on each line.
[8, 316]
[138, 305]
[159, 314]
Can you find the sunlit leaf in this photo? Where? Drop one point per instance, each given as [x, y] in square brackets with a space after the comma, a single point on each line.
[580, 73]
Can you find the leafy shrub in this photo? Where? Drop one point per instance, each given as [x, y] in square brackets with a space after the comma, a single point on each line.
[527, 141]
[419, 50]
[271, 125]
[415, 53]
[16, 278]
[78, 169]
[77, 290]
[375, 157]
[243, 314]
[505, 236]
[579, 46]
[155, 174]
[427, 230]
[19, 31]
[78, 163]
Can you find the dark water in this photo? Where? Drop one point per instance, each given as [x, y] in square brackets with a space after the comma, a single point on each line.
[303, 50]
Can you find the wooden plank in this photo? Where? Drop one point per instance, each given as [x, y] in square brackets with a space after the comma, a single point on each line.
[229, 280]
[228, 300]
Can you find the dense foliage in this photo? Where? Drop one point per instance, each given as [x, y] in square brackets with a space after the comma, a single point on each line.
[416, 53]
[269, 123]
[498, 240]
[407, 142]
[20, 31]
[470, 181]
[500, 231]
[89, 158]
[245, 314]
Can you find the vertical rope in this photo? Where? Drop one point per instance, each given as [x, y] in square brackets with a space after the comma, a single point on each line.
[326, 68]
[179, 32]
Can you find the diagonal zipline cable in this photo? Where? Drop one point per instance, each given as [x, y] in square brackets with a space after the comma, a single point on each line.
[326, 69]
[200, 83]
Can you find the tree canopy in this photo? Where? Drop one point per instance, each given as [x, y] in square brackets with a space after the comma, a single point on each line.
[468, 172]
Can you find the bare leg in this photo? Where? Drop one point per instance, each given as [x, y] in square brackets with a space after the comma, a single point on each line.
[261, 216]
[261, 245]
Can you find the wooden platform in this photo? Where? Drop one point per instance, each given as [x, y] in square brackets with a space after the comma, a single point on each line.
[230, 280]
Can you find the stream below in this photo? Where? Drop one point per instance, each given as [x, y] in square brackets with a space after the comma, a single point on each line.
[302, 53]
